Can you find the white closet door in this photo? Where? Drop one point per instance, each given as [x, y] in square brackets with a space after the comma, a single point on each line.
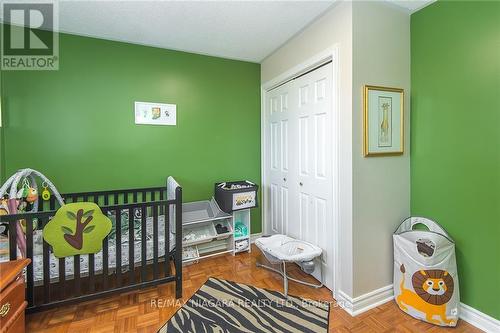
[314, 156]
[299, 161]
[279, 162]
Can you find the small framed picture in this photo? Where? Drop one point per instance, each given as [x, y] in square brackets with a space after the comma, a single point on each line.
[383, 121]
[155, 113]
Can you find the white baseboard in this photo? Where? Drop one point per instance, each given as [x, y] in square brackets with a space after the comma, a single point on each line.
[479, 319]
[357, 305]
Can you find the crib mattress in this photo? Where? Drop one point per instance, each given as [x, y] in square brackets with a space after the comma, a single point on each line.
[98, 257]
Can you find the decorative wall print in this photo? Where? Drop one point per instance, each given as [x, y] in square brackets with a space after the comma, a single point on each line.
[155, 114]
[383, 121]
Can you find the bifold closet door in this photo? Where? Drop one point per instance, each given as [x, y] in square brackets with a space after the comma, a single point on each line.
[280, 129]
[314, 154]
[299, 160]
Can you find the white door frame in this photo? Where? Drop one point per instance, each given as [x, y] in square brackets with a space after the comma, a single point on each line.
[330, 54]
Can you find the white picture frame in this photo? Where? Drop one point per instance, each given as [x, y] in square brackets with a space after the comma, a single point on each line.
[147, 113]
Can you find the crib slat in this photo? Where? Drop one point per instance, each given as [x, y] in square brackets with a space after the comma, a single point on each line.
[30, 295]
[125, 197]
[13, 240]
[52, 202]
[144, 196]
[116, 198]
[76, 274]
[105, 271]
[131, 244]
[143, 243]
[167, 240]
[106, 200]
[155, 240]
[46, 269]
[91, 273]
[161, 198]
[62, 278]
[134, 195]
[118, 244]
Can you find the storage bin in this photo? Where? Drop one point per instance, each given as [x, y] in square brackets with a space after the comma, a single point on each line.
[213, 246]
[190, 253]
[202, 211]
[198, 233]
[425, 272]
[241, 245]
[232, 196]
[224, 223]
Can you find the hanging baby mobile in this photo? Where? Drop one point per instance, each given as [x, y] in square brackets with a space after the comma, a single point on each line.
[76, 228]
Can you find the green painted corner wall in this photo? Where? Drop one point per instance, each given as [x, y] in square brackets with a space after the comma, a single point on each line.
[76, 124]
[455, 137]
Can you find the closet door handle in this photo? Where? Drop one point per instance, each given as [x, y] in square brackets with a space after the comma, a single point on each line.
[284, 179]
[301, 184]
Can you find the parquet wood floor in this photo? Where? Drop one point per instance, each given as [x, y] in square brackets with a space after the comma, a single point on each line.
[146, 310]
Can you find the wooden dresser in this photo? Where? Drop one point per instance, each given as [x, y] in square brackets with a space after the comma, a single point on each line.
[12, 296]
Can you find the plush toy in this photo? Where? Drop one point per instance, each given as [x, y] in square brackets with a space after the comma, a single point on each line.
[32, 195]
[26, 196]
[23, 205]
[4, 206]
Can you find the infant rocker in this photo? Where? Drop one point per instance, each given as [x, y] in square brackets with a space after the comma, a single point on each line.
[425, 272]
[280, 249]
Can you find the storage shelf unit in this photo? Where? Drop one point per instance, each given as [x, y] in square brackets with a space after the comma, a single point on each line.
[199, 234]
[241, 217]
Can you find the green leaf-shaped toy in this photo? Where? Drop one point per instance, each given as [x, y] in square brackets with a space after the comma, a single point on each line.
[77, 228]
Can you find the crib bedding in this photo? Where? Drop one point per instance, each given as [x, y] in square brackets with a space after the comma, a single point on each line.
[98, 257]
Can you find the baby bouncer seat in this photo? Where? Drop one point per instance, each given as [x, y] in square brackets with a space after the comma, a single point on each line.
[281, 249]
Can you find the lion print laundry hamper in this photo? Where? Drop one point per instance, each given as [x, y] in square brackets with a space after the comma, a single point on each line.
[425, 272]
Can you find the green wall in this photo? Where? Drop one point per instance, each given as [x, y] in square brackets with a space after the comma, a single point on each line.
[76, 125]
[455, 137]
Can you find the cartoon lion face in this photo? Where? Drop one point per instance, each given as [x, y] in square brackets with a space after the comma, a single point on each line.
[434, 286]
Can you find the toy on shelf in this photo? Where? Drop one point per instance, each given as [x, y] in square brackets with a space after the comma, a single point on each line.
[240, 230]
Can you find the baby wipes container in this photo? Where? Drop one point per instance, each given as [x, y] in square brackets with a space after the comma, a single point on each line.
[425, 272]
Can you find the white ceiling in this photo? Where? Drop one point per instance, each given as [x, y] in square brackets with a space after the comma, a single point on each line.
[243, 30]
[412, 5]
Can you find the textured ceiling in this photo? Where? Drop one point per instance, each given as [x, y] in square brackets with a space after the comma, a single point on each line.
[243, 30]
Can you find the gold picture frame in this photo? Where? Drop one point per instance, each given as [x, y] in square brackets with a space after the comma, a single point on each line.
[381, 134]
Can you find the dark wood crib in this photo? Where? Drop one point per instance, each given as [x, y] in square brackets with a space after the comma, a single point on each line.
[145, 206]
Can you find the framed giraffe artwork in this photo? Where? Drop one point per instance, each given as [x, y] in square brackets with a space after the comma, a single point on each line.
[383, 121]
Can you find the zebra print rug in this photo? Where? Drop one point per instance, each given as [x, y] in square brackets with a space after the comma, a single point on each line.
[224, 306]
